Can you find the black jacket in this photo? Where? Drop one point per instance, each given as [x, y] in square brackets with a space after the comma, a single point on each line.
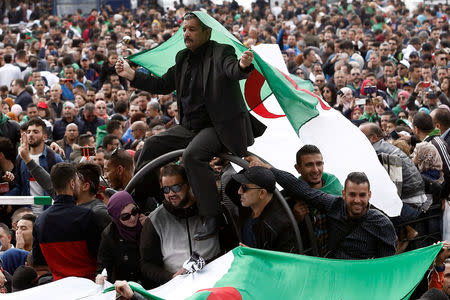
[224, 102]
[274, 230]
[119, 256]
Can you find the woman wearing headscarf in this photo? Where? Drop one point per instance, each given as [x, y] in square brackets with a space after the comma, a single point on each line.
[428, 161]
[119, 249]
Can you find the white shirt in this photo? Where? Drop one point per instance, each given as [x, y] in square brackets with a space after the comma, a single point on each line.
[8, 73]
[35, 188]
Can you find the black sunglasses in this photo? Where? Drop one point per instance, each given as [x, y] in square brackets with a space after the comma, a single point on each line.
[174, 188]
[127, 216]
[246, 188]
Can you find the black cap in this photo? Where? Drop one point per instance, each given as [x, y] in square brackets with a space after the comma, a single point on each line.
[260, 176]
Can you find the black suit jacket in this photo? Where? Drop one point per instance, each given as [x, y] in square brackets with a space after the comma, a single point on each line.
[235, 127]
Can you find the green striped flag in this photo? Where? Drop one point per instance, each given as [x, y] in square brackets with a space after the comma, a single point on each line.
[25, 200]
[248, 273]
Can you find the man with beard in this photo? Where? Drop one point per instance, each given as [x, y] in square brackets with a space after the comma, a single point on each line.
[34, 138]
[69, 139]
[166, 239]
[356, 231]
[66, 236]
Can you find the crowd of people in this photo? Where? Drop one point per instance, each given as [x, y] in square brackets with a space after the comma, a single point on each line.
[78, 121]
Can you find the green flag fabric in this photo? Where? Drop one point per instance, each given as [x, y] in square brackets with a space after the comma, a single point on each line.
[260, 274]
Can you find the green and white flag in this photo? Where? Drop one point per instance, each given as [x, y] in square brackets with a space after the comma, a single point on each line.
[248, 273]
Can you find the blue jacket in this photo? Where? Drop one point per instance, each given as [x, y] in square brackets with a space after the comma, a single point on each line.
[22, 176]
[84, 126]
[59, 129]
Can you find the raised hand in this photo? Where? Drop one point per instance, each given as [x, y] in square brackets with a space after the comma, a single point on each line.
[246, 59]
[123, 69]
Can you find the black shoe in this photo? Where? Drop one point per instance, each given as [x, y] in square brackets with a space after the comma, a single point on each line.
[208, 229]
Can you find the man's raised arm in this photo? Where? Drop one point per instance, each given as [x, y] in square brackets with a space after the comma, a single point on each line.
[297, 187]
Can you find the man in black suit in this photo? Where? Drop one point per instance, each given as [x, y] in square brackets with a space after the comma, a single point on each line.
[213, 115]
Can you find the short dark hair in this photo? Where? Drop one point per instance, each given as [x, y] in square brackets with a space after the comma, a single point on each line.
[414, 66]
[442, 116]
[5, 227]
[83, 139]
[391, 114]
[120, 157]
[305, 150]
[31, 105]
[8, 149]
[173, 170]
[29, 217]
[61, 174]
[91, 173]
[19, 82]
[146, 95]
[121, 106]
[358, 178]
[108, 140]
[20, 210]
[8, 58]
[37, 122]
[112, 125]
[137, 117]
[423, 122]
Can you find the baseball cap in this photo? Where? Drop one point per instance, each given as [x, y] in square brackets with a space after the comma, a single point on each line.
[405, 63]
[260, 176]
[85, 57]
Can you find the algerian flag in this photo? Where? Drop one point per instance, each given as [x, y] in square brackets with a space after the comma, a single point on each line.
[248, 273]
[25, 200]
[344, 147]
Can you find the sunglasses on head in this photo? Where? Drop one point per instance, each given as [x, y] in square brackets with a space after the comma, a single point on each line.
[246, 188]
[127, 216]
[174, 188]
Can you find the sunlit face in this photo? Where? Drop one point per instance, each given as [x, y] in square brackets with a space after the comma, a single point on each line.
[5, 238]
[100, 108]
[35, 135]
[99, 159]
[25, 227]
[72, 132]
[32, 112]
[356, 197]
[122, 95]
[311, 168]
[177, 199]
[69, 73]
[134, 109]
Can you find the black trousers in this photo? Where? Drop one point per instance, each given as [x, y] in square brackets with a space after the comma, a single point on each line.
[200, 147]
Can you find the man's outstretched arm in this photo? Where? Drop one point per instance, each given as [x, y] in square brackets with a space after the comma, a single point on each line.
[297, 187]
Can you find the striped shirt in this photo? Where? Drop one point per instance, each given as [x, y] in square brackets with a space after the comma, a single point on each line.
[371, 236]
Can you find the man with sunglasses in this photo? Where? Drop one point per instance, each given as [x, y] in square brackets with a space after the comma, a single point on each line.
[167, 239]
[263, 223]
[213, 116]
